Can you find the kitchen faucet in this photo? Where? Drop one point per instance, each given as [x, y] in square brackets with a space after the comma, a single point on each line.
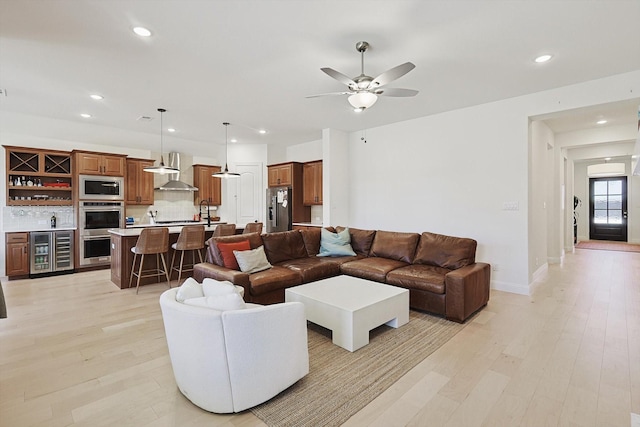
[208, 213]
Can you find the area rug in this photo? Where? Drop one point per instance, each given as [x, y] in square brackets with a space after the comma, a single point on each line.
[340, 383]
[608, 246]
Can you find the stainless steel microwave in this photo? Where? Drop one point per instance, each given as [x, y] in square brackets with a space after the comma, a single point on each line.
[93, 187]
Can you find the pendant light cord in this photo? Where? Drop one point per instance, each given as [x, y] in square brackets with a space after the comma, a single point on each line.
[226, 146]
[161, 110]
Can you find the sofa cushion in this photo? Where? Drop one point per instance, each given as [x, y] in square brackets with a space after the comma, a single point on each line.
[361, 240]
[312, 269]
[226, 251]
[220, 302]
[273, 279]
[335, 244]
[445, 251]
[213, 253]
[394, 245]
[371, 268]
[284, 246]
[418, 276]
[253, 260]
[311, 239]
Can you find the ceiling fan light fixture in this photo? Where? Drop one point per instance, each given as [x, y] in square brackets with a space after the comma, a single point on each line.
[225, 173]
[161, 168]
[362, 100]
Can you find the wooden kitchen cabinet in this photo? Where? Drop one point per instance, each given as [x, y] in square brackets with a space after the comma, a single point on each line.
[281, 174]
[290, 175]
[17, 254]
[44, 175]
[138, 183]
[312, 181]
[90, 163]
[209, 188]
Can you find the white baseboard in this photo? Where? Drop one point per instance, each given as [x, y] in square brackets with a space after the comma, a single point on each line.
[514, 288]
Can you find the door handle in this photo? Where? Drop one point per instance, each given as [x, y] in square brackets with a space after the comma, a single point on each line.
[624, 215]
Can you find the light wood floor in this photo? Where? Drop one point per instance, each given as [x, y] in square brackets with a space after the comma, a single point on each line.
[76, 350]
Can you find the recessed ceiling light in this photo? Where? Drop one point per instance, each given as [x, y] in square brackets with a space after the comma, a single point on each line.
[601, 122]
[96, 97]
[262, 131]
[543, 58]
[142, 32]
[233, 140]
[606, 159]
[85, 115]
[171, 130]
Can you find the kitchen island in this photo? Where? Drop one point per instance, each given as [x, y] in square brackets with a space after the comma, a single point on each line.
[123, 239]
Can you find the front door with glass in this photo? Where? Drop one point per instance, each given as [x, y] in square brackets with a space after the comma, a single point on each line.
[608, 208]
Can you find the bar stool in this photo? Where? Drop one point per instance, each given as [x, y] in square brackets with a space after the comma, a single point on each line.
[191, 238]
[224, 230]
[152, 240]
[253, 227]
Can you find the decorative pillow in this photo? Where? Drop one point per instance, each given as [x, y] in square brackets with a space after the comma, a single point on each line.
[213, 288]
[335, 244]
[226, 302]
[189, 289]
[221, 302]
[253, 260]
[226, 250]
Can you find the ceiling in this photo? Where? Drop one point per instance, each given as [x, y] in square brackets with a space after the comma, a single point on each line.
[253, 62]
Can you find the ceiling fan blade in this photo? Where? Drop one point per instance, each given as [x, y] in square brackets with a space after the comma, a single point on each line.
[392, 74]
[338, 76]
[329, 94]
[395, 92]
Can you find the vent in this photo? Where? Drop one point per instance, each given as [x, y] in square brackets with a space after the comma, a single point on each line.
[144, 119]
[174, 183]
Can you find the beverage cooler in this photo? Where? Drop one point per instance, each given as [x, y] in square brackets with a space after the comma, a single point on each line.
[51, 251]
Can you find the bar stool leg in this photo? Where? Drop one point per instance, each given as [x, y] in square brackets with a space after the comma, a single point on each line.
[181, 263]
[166, 272]
[133, 265]
[139, 273]
[173, 260]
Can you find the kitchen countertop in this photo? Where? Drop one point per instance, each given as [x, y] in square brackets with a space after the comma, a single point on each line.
[173, 229]
[38, 229]
[175, 224]
[307, 224]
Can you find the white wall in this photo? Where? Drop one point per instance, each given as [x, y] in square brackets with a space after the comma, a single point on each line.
[451, 173]
[540, 184]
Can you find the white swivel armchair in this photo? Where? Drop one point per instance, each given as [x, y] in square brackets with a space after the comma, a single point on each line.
[229, 361]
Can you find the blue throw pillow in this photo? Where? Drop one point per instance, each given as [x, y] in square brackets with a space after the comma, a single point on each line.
[335, 244]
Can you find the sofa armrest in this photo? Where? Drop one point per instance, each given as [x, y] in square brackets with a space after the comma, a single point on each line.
[206, 269]
[466, 290]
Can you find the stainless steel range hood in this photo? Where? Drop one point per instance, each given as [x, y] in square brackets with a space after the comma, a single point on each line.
[174, 183]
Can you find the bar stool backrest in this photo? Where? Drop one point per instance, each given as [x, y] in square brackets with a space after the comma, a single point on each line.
[191, 238]
[253, 227]
[224, 230]
[153, 240]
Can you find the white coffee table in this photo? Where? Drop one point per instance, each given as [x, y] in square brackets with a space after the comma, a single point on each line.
[350, 307]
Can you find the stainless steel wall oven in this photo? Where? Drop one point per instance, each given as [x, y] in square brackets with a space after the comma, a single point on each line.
[96, 218]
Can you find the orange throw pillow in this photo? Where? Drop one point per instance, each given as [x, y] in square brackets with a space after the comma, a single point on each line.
[226, 250]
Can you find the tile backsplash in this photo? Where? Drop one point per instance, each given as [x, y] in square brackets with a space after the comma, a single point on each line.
[25, 218]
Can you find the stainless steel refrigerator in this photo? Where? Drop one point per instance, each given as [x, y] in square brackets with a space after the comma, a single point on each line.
[278, 209]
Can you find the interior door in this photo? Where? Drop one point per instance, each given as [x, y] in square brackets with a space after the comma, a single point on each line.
[250, 192]
[608, 208]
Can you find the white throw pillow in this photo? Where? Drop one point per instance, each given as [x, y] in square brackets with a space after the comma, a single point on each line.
[189, 289]
[198, 302]
[212, 287]
[226, 302]
[252, 261]
[219, 302]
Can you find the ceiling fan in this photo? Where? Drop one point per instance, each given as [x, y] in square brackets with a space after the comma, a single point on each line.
[364, 90]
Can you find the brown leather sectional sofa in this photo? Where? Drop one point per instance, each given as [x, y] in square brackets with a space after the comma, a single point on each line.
[439, 271]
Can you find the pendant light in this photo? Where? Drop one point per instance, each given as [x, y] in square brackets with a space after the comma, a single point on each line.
[225, 173]
[161, 168]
